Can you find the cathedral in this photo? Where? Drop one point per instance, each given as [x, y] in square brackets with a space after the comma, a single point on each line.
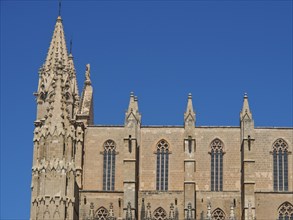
[143, 172]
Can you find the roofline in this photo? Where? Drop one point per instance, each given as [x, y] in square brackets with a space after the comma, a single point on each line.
[266, 127]
[181, 126]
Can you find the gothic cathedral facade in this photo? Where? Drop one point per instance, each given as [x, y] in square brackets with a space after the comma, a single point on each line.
[134, 171]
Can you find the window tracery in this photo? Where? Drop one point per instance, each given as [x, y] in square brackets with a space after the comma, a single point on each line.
[218, 214]
[286, 211]
[217, 165]
[160, 214]
[162, 165]
[109, 157]
[101, 214]
[280, 165]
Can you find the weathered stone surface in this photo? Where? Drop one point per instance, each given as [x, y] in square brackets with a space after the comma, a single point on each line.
[76, 175]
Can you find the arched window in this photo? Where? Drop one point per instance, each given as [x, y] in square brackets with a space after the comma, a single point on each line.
[160, 214]
[109, 165]
[101, 214]
[280, 159]
[162, 165]
[286, 211]
[216, 165]
[218, 214]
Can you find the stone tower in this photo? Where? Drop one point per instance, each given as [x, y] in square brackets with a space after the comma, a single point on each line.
[59, 134]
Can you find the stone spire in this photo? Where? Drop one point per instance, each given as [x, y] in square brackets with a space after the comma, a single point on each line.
[132, 115]
[149, 212]
[86, 103]
[172, 212]
[54, 165]
[57, 62]
[189, 115]
[246, 120]
[245, 112]
[232, 213]
[57, 50]
[142, 212]
[209, 212]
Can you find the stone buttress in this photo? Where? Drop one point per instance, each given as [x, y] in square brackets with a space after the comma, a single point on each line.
[189, 161]
[247, 162]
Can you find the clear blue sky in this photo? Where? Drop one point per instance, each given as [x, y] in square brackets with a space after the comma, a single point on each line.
[161, 50]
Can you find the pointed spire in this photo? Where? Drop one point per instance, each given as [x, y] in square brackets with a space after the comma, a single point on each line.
[132, 112]
[111, 211]
[209, 212]
[172, 212]
[133, 105]
[189, 115]
[142, 212]
[232, 214]
[189, 211]
[57, 50]
[128, 212]
[70, 50]
[245, 112]
[91, 214]
[149, 212]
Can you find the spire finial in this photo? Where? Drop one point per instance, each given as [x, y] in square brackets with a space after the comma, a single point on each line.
[59, 11]
[189, 115]
[70, 50]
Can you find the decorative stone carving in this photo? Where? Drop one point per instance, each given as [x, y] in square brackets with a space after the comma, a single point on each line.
[111, 212]
[88, 73]
[209, 212]
[79, 133]
[149, 212]
[37, 131]
[189, 215]
[71, 131]
[142, 212]
[128, 212]
[91, 212]
[172, 212]
[232, 214]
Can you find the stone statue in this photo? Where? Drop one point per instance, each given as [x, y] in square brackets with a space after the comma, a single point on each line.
[88, 72]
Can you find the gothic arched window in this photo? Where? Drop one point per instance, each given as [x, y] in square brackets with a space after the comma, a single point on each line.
[280, 160]
[218, 214]
[217, 165]
[162, 165]
[286, 211]
[109, 165]
[160, 214]
[101, 214]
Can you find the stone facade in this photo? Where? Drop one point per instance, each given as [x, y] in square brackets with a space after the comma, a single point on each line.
[86, 171]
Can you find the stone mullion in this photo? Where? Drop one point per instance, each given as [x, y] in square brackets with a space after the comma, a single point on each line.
[280, 170]
[162, 169]
[285, 171]
[109, 170]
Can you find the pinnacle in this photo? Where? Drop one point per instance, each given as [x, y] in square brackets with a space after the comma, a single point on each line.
[189, 115]
[245, 112]
[57, 50]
